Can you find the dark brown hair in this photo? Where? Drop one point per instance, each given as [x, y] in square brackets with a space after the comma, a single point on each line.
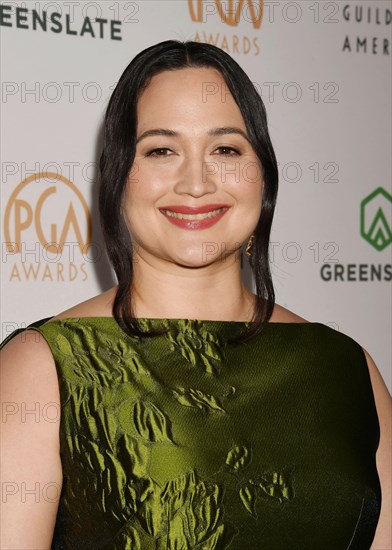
[119, 146]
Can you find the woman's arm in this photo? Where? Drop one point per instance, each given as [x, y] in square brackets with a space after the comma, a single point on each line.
[31, 473]
[383, 536]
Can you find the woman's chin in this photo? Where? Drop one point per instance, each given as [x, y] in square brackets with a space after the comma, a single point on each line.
[195, 258]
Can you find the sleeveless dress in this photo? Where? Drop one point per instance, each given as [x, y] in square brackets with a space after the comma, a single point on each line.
[185, 441]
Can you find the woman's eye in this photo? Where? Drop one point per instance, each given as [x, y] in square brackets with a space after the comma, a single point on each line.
[161, 152]
[151, 153]
[228, 149]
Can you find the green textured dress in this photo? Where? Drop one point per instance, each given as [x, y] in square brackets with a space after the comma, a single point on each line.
[185, 441]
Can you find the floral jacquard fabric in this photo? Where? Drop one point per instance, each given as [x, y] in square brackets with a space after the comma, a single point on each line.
[203, 349]
[185, 441]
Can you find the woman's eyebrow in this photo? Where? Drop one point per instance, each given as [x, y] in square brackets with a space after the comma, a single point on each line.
[212, 132]
[157, 132]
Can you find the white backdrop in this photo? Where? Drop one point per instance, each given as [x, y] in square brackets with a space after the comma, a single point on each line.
[324, 72]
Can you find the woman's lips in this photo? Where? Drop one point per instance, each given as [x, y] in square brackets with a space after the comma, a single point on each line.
[194, 218]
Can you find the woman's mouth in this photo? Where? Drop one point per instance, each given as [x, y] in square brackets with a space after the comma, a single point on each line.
[180, 216]
[199, 220]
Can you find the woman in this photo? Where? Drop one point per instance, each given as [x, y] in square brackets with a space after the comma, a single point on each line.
[194, 414]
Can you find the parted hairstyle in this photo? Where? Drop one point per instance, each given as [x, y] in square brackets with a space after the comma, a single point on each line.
[118, 154]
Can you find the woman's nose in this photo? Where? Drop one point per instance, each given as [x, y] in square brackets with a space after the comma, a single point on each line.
[195, 177]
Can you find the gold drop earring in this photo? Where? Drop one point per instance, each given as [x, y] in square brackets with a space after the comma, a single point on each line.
[248, 250]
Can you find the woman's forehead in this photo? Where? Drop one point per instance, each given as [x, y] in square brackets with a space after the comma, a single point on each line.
[190, 95]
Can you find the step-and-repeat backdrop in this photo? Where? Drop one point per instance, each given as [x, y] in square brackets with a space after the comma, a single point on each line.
[323, 69]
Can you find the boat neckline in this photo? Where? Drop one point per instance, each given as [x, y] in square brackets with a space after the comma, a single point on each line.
[106, 317]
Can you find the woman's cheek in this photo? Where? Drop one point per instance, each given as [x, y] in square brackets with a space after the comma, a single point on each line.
[252, 173]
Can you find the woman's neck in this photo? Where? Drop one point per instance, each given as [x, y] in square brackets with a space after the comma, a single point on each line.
[191, 293]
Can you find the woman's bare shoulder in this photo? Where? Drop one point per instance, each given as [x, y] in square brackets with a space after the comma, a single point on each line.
[98, 306]
[284, 315]
[30, 432]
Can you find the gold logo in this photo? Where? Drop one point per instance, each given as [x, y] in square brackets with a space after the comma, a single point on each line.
[40, 212]
[249, 10]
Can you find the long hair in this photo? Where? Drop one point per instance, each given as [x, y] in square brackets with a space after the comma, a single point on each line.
[118, 154]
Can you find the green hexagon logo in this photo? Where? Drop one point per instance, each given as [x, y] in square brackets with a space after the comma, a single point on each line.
[376, 219]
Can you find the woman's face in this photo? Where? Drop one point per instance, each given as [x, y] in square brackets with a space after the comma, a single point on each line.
[193, 164]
